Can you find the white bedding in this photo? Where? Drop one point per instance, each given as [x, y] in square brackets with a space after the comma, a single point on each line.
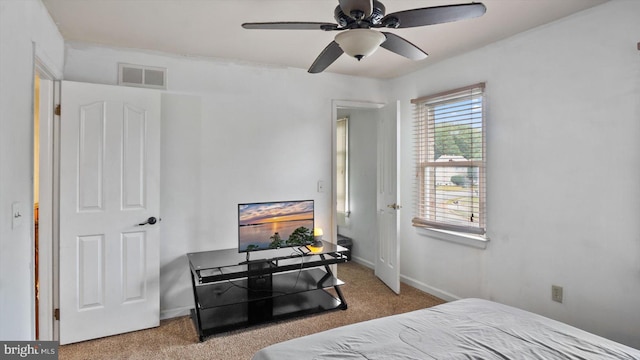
[463, 329]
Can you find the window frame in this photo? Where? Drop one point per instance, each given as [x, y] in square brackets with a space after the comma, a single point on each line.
[425, 206]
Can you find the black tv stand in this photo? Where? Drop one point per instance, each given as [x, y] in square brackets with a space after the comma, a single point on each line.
[230, 292]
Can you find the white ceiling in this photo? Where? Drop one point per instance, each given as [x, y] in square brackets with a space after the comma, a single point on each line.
[211, 28]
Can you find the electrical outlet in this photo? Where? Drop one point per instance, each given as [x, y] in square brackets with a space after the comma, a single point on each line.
[556, 293]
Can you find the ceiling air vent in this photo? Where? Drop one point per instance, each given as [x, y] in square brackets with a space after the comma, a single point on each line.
[142, 76]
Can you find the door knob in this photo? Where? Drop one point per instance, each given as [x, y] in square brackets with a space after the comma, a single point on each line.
[150, 221]
[394, 206]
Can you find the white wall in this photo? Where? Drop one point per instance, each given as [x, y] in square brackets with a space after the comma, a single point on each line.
[563, 113]
[360, 225]
[563, 201]
[25, 27]
[252, 134]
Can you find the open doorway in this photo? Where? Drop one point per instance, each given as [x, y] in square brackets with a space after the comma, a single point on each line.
[36, 194]
[373, 211]
[354, 176]
[43, 192]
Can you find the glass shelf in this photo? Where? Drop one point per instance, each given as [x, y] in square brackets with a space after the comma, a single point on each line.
[231, 292]
[218, 265]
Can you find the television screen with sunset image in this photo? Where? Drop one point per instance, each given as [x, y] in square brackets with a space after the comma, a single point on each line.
[273, 225]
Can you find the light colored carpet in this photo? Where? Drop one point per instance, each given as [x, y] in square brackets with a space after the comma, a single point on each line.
[367, 298]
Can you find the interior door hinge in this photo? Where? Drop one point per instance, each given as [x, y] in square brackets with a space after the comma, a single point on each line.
[57, 111]
[56, 314]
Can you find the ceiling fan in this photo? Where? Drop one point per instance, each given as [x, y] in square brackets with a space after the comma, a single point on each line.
[359, 17]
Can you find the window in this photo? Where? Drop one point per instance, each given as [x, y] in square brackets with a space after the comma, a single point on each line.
[342, 167]
[449, 130]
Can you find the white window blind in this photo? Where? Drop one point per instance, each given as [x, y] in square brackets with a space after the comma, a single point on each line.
[450, 157]
[342, 166]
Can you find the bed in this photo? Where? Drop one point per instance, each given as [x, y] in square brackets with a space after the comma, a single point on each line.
[462, 329]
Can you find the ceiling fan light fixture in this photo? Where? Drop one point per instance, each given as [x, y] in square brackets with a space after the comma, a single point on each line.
[360, 43]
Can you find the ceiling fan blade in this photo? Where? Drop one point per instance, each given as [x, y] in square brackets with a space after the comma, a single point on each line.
[433, 15]
[290, 25]
[330, 54]
[400, 46]
[349, 6]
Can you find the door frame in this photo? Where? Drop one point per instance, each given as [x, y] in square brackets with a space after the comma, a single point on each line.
[48, 200]
[335, 105]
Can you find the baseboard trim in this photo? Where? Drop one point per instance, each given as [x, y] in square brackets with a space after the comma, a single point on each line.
[413, 282]
[428, 289]
[176, 312]
[363, 262]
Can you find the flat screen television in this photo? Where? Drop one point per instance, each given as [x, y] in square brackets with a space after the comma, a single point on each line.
[276, 224]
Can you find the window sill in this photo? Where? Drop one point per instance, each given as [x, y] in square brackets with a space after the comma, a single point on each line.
[476, 241]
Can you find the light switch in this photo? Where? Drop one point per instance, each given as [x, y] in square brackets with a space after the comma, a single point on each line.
[17, 214]
[320, 186]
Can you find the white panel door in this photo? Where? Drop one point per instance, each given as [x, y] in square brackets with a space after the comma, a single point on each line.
[388, 251]
[109, 185]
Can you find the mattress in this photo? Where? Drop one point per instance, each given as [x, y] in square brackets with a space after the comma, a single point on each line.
[463, 329]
